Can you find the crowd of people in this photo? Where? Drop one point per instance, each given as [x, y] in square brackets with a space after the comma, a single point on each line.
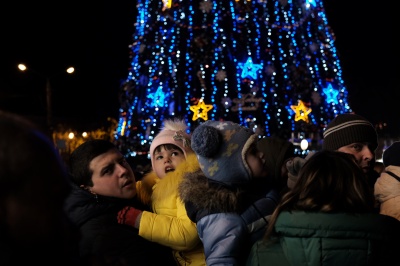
[219, 195]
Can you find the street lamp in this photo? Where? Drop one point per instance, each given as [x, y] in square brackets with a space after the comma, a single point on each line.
[69, 70]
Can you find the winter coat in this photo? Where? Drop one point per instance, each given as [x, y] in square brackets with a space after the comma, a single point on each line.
[229, 220]
[104, 241]
[168, 223]
[387, 192]
[330, 239]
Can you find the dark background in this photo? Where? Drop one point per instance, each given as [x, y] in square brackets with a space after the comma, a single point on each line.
[94, 37]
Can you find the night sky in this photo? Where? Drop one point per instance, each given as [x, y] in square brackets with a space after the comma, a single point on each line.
[94, 37]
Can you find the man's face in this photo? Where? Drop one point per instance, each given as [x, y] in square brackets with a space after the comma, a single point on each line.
[112, 176]
[362, 153]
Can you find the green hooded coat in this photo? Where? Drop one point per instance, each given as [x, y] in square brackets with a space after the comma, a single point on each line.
[330, 239]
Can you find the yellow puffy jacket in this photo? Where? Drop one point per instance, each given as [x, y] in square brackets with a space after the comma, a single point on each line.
[169, 224]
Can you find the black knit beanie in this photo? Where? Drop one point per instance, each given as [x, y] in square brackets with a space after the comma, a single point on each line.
[345, 129]
[391, 156]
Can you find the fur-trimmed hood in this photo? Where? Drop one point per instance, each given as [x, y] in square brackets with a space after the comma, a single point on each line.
[146, 187]
[208, 195]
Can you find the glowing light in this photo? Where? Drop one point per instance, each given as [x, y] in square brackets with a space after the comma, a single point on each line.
[304, 144]
[331, 94]
[204, 109]
[302, 111]
[250, 69]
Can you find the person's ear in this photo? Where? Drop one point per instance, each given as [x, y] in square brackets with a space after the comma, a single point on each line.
[87, 188]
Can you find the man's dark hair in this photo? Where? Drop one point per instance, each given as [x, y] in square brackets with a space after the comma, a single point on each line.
[81, 157]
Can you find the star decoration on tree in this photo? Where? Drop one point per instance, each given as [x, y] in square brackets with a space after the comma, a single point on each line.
[311, 3]
[204, 109]
[301, 111]
[226, 102]
[250, 69]
[331, 94]
[157, 98]
[221, 75]
[167, 4]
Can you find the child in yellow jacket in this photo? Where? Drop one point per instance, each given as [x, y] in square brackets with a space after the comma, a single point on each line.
[168, 223]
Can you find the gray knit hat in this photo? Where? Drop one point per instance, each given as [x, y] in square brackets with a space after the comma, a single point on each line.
[345, 129]
[221, 148]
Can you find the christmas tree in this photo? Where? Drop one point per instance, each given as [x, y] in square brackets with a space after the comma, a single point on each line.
[269, 65]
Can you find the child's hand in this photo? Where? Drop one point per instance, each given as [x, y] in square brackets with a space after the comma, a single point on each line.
[130, 216]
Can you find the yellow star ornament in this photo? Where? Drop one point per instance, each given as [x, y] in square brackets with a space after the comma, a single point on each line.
[204, 109]
[302, 111]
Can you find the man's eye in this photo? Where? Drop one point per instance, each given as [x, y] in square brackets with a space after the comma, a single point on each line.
[107, 171]
[357, 146]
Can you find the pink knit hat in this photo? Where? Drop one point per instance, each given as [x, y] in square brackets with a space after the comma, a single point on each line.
[173, 132]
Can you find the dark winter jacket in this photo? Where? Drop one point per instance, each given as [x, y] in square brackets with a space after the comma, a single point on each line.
[228, 219]
[316, 239]
[104, 241]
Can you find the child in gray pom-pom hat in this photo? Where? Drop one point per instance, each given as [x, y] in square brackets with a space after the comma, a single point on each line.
[229, 199]
[221, 148]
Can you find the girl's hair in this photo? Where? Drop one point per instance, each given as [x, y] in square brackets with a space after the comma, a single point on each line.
[330, 181]
[167, 147]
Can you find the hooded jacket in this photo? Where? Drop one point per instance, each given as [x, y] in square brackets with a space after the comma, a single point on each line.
[103, 241]
[387, 192]
[329, 239]
[229, 220]
[168, 223]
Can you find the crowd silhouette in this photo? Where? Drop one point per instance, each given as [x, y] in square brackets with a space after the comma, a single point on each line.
[219, 195]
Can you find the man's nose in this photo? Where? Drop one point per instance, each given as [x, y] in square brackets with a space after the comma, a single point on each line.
[368, 154]
[122, 168]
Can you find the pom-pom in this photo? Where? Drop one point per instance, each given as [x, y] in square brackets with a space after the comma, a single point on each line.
[206, 141]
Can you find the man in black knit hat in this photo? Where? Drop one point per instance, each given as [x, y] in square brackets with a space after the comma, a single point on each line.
[348, 133]
[351, 133]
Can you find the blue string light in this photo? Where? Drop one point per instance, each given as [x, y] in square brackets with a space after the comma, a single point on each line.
[251, 60]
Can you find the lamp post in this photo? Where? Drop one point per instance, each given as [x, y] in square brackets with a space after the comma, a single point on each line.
[69, 70]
